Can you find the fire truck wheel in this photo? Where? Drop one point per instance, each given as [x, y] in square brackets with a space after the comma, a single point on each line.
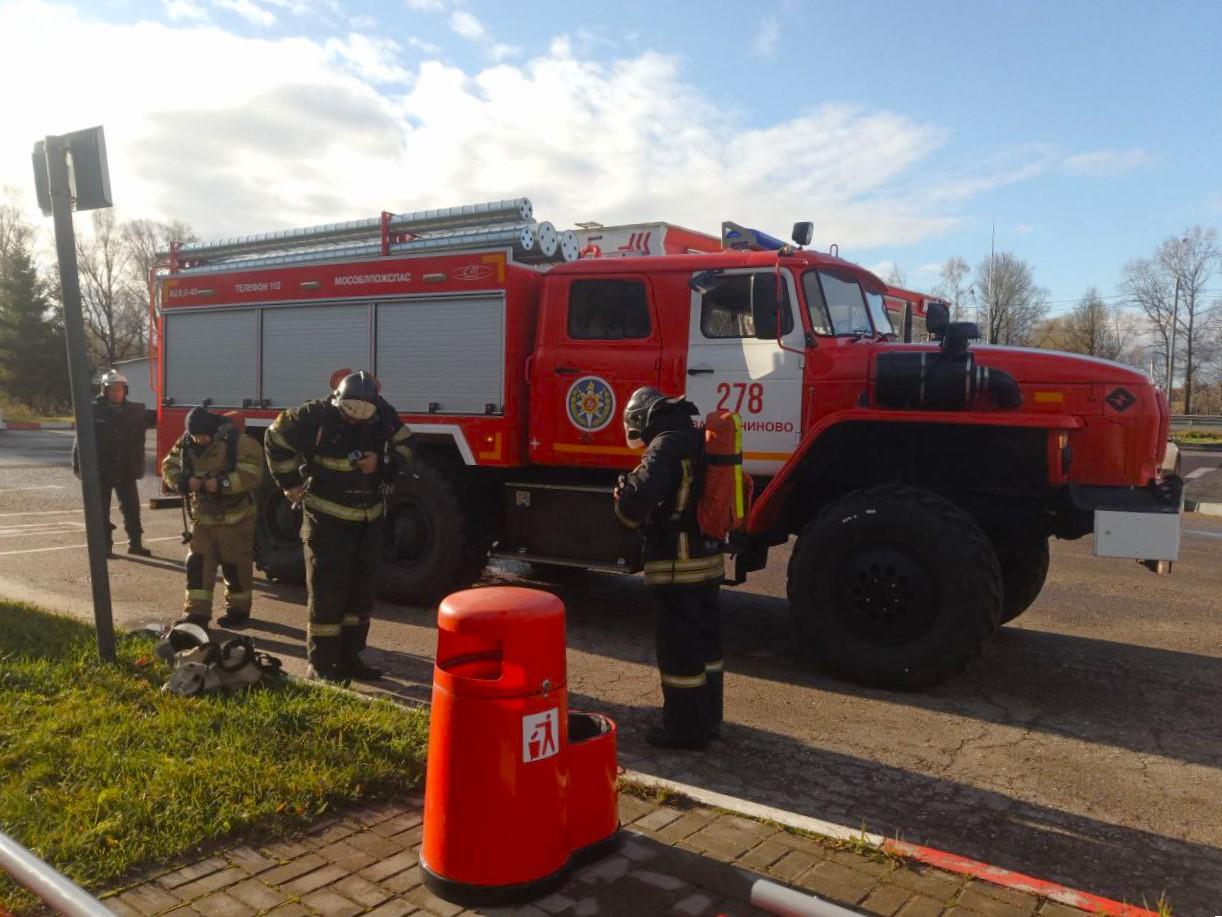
[433, 543]
[278, 535]
[1024, 567]
[895, 586]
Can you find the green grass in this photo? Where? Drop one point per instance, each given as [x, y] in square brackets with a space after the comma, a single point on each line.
[20, 412]
[100, 772]
[1190, 437]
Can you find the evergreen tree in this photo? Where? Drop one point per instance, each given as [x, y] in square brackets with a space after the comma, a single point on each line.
[33, 360]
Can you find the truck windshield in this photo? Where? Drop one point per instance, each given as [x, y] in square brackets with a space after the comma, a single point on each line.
[878, 312]
[838, 305]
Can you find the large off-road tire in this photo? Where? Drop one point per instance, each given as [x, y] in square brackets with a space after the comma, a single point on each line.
[435, 542]
[278, 535]
[895, 586]
[1024, 567]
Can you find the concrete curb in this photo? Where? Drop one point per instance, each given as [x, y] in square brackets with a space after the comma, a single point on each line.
[930, 856]
[1205, 509]
[38, 425]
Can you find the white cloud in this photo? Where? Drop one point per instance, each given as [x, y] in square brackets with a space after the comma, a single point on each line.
[180, 10]
[500, 52]
[1023, 229]
[293, 131]
[426, 6]
[362, 23]
[249, 11]
[467, 26]
[766, 38]
[421, 45]
[374, 59]
[1107, 162]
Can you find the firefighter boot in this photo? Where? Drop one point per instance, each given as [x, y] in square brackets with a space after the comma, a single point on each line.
[352, 641]
[658, 737]
[326, 673]
[136, 546]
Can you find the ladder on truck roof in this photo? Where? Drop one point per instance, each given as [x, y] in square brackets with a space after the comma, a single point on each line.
[494, 224]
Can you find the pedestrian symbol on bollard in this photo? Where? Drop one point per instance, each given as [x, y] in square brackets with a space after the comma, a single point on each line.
[540, 735]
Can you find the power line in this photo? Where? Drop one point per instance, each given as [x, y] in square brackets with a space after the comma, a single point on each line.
[1213, 291]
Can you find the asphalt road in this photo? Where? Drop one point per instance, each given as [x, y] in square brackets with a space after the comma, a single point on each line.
[1085, 748]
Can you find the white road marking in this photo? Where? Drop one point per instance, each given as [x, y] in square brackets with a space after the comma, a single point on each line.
[1198, 473]
[13, 490]
[32, 529]
[68, 547]
[1202, 533]
[45, 512]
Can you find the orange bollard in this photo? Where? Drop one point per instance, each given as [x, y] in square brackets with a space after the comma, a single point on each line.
[508, 802]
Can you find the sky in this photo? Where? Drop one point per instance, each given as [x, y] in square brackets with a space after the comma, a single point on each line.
[1083, 134]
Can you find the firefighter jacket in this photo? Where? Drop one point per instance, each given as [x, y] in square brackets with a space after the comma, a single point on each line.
[234, 460]
[660, 496]
[314, 446]
[119, 429]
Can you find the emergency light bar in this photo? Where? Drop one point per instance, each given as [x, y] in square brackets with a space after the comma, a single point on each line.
[740, 238]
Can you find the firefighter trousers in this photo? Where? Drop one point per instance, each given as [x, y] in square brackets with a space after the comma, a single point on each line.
[129, 505]
[232, 548]
[341, 561]
[690, 659]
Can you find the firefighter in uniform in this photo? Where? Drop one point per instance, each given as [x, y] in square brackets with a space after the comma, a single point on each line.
[218, 470]
[119, 427]
[333, 457]
[683, 568]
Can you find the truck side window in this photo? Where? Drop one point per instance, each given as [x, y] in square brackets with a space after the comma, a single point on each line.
[608, 310]
[725, 310]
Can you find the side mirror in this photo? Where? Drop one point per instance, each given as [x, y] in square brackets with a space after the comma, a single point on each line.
[705, 281]
[803, 233]
[937, 317]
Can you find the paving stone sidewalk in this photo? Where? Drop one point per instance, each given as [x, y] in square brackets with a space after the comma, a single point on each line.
[674, 859]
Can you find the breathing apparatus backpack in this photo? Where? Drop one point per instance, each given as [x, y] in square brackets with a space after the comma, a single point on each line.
[725, 498]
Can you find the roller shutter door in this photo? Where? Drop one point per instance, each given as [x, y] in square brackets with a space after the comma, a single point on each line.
[211, 355]
[447, 351]
[302, 347]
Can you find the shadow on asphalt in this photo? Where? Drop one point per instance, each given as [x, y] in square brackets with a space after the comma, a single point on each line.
[1080, 852]
[1142, 699]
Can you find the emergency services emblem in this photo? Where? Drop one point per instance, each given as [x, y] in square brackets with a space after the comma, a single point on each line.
[591, 404]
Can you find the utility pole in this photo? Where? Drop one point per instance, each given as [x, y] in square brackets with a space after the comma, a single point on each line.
[1175, 321]
[70, 173]
[992, 270]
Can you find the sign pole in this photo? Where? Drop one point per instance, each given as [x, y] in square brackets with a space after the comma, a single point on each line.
[96, 527]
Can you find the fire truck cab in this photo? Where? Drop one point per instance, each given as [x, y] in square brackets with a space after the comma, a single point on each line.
[922, 481]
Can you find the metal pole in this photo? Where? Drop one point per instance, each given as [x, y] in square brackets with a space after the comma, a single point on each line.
[56, 891]
[82, 402]
[1175, 321]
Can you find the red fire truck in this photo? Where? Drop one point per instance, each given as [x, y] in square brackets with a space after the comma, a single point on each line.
[922, 481]
[908, 310]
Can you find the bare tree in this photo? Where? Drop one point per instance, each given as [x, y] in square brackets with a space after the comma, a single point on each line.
[1148, 287]
[145, 238]
[15, 232]
[1013, 304]
[1192, 259]
[952, 285]
[1097, 329]
[112, 296]
[895, 277]
[1168, 289]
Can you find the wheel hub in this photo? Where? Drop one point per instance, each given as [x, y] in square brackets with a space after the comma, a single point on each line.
[411, 532]
[885, 596]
